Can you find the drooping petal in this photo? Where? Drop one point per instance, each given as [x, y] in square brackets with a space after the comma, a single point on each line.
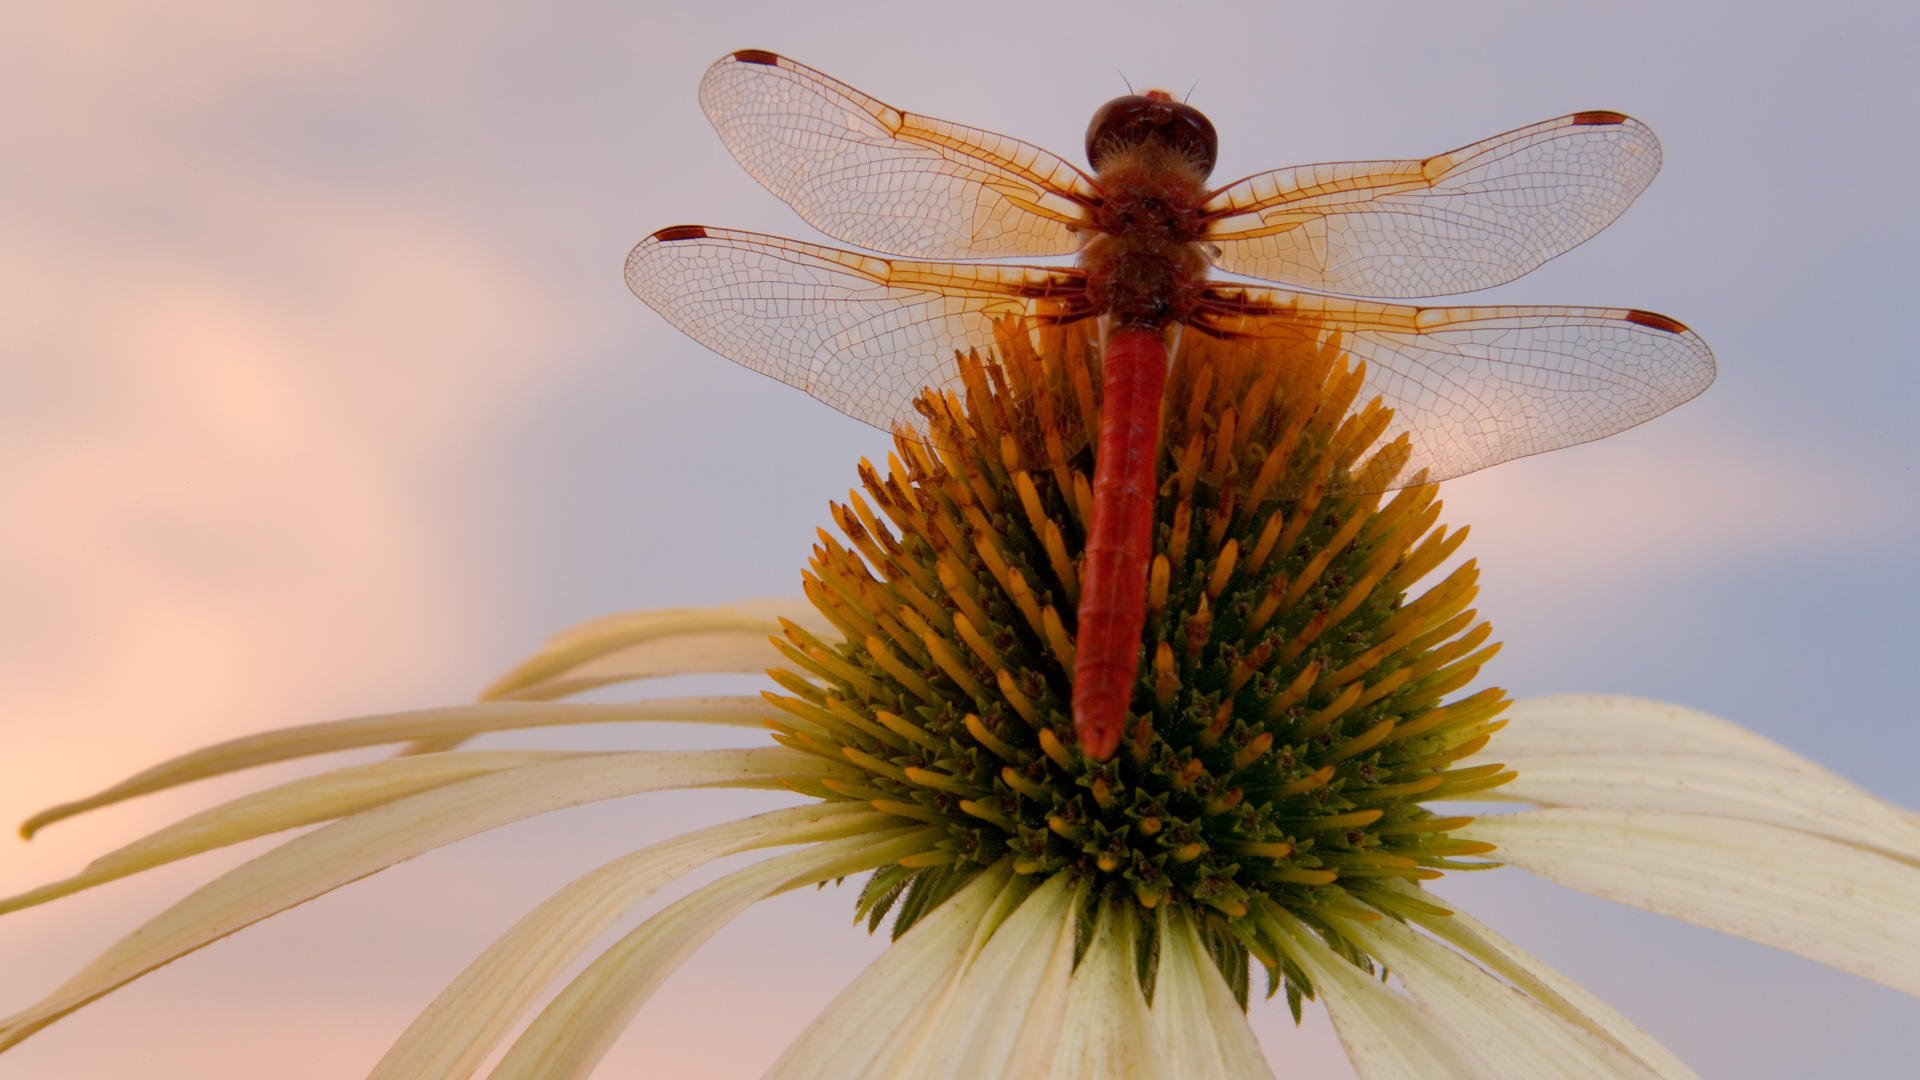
[577, 1028]
[462, 1025]
[1632, 754]
[286, 806]
[1108, 1030]
[729, 639]
[1201, 1025]
[1002, 1016]
[459, 722]
[894, 995]
[1619, 724]
[1514, 1035]
[1552, 989]
[1829, 901]
[1725, 787]
[347, 850]
[1387, 1035]
[649, 644]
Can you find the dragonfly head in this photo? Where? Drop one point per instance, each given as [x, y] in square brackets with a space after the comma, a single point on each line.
[1129, 121]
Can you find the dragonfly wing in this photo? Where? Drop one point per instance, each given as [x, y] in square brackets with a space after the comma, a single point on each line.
[867, 173]
[1476, 386]
[1471, 219]
[864, 334]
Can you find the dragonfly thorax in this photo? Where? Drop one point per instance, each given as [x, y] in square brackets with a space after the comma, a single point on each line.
[1145, 266]
[1143, 283]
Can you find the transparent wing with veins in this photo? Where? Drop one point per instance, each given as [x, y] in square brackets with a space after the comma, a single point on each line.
[864, 334]
[872, 175]
[1476, 386]
[1470, 219]
[1471, 386]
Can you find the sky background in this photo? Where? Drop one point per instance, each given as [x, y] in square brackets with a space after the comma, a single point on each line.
[321, 394]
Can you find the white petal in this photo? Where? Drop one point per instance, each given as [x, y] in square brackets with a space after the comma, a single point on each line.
[1002, 1016]
[1513, 1034]
[1634, 754]
[1108, 1031]
[350, 849]
[575, 1030]
[460, 1028]
[1386, 1035]
[1553, 990]
[299, 802]
[1201, 1024]
[853, 1032]
[456, 723]
[647, 644]
[1726, 787]
[1610, 723]
[1832, 902]
[730, 639]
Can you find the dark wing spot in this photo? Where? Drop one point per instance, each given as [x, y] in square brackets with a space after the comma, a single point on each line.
[1657, 321]
[1599, 117]
[756, 56]
[681, 232]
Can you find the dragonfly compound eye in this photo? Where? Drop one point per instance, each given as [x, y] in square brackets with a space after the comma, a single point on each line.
[1131, 120]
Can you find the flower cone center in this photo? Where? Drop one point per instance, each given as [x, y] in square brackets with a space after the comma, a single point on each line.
[1290, 714]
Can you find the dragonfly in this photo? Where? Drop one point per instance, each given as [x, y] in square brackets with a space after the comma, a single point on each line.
[1470, 386]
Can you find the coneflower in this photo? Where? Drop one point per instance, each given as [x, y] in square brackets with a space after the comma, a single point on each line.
[1303, 715]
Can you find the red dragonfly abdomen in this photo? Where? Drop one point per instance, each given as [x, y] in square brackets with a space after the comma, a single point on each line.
[1113, 583]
